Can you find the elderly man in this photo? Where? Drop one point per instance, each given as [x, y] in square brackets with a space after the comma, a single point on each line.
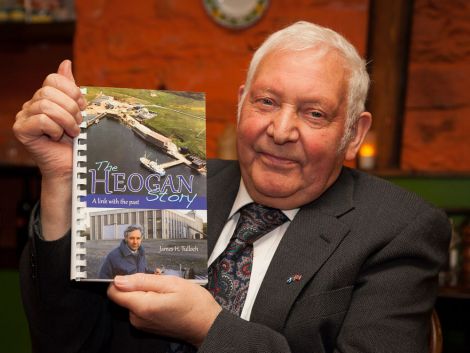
[348, 262]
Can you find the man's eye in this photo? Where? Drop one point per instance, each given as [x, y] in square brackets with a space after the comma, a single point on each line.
[316, 114]
[266, 101]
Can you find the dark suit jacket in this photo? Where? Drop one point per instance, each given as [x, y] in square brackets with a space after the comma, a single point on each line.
[368, 254]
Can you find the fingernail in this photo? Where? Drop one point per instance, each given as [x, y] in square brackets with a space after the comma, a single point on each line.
[121, 281]
[82, 103]
[79, 117]
[76, 130]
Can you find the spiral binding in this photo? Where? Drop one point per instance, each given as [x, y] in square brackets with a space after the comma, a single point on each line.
[78, 261]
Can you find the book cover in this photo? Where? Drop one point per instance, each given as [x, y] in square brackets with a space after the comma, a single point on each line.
[139, 185]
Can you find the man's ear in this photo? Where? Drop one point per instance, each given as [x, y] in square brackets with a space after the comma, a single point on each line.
[362, 127]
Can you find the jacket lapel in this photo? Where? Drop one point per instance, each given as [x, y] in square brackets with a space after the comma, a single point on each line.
[311, 238]
[221, 193]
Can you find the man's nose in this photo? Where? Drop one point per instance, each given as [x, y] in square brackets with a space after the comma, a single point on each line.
[283, 127]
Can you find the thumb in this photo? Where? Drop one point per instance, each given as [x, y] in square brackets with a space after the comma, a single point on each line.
[65, 69]
[148, 282]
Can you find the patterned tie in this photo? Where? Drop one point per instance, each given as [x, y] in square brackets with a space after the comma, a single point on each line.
[229, 274]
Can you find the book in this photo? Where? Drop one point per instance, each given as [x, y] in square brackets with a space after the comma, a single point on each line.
[139, 185]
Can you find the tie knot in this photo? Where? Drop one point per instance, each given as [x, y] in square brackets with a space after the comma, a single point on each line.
[257, 220]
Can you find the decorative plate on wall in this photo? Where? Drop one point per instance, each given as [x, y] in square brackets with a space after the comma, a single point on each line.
[235, 14]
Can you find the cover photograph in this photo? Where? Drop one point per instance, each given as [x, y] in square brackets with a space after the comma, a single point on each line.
[139, 188]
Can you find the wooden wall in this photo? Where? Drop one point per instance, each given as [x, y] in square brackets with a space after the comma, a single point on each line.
[436, 136]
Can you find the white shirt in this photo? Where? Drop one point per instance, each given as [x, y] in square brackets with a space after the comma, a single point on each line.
[263, 249]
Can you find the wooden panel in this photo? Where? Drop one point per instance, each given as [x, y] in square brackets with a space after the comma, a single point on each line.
[389, 28]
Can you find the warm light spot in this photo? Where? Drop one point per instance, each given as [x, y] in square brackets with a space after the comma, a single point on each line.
[367, 150]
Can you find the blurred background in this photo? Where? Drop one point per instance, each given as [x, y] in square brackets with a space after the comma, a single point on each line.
[419, 59]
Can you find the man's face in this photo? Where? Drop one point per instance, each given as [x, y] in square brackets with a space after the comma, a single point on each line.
[290, 127]
[134, 239]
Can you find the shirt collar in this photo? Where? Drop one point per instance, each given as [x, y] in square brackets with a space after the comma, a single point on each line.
[243, 198]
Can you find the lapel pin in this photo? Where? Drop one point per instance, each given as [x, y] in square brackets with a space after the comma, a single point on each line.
[295, 278]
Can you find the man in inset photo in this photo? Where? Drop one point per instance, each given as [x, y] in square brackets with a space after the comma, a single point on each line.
[128, 257]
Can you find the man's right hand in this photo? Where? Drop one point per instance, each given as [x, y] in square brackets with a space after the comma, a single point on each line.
[49, 120]
[45, 126]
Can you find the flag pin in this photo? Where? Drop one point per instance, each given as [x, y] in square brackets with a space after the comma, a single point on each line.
[295, 278]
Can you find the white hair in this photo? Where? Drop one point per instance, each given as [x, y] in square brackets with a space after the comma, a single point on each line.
[303, 35]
